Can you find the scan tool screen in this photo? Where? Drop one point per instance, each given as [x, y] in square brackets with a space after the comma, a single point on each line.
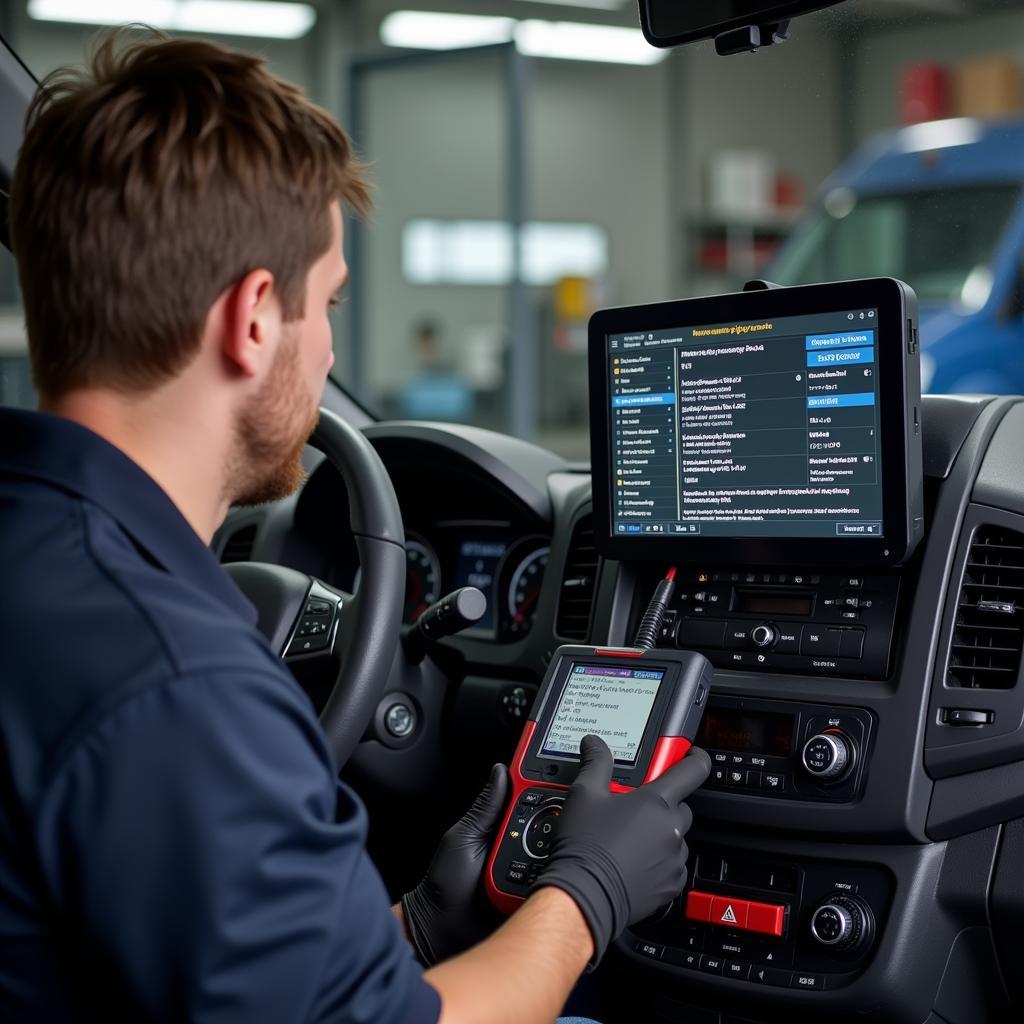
[612, 702]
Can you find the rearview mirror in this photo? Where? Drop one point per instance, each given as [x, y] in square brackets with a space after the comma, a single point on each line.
[668, 23]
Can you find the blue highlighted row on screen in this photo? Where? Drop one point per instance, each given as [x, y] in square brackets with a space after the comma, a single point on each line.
[840, 340]
[666, 398]
[840, 401]
[841, 357]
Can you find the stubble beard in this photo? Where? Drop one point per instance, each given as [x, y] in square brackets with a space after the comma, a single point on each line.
[266, 462]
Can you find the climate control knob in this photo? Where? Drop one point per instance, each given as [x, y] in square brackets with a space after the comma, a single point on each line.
[764, 635]
[828, 755]
[842, 922]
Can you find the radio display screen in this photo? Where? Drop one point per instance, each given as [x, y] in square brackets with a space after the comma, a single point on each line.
[766, 429]
[613, 702]
[747, 732]
[768, 603]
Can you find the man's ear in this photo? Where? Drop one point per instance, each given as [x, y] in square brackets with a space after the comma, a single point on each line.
[249, 323]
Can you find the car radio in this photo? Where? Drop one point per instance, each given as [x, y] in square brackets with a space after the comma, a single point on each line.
[814, 622]
[646, 705]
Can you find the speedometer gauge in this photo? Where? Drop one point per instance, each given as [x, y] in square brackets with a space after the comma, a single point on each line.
[422, 579]
[524, 591]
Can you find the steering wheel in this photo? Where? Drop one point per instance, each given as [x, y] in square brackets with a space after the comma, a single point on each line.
[305, 620]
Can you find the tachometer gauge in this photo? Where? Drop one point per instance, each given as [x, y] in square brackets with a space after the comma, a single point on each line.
[422, 579]
[524, 591]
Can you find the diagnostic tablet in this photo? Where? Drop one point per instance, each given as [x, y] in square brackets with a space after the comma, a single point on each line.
[760, 427]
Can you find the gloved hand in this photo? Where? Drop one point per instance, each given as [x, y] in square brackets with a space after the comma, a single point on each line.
[448, 912]
[620, 856]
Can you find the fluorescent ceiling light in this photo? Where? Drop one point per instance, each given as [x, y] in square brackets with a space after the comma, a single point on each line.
[276, 19]
[568, 40]
[427, 30]
[597, 5]
[573, 40]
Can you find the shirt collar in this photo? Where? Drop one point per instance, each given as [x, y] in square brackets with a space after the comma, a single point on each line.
[71, 457]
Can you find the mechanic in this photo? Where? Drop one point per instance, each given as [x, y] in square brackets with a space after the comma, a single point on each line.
[174, 841]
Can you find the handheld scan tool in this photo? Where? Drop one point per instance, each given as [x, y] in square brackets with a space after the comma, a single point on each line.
[645, 704]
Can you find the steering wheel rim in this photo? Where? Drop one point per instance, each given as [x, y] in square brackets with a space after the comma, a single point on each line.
[369, 624]
[372, 619]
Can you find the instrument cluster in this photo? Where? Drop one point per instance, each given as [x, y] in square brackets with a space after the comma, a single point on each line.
[506, 567]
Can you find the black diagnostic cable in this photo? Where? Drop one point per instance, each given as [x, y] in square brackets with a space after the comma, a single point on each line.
[650, 624]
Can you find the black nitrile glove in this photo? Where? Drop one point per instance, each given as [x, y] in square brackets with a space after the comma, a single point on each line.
[620, 856]
[448, 912]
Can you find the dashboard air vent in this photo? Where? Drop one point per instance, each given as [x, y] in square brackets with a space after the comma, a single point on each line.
[578, 581]
[238, 547]
[989, 629]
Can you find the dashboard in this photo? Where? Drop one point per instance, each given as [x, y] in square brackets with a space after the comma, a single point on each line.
[855, 855]
[462, 530]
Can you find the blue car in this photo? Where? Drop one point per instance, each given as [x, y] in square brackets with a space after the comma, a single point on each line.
[939, 205]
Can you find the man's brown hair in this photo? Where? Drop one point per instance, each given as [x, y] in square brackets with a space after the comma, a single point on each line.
[149, 183]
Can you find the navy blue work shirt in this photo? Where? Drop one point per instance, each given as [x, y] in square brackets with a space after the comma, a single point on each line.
[174, 843]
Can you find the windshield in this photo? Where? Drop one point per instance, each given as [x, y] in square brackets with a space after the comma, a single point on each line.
[907, 236]
[535, 161]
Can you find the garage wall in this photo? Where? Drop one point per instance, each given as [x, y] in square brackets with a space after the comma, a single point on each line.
[733, 103]
[882, 54]
[598, 152]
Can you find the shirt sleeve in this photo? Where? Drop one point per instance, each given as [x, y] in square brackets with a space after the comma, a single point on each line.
[206, 865]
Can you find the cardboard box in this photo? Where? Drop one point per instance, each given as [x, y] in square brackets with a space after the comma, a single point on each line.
[989, 87]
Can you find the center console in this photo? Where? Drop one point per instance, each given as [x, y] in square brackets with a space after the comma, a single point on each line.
[768, 446]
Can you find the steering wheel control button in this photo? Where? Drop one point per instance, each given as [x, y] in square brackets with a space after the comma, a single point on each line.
[541, 829]
[311, 626]
[400, 720]
[532, 798]
[515, 703]
[827, 755]
[309, 643]
[317, 608]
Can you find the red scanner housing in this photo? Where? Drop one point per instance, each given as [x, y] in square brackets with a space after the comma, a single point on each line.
[667, 689]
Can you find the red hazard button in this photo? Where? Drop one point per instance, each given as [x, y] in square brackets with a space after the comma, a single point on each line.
[744, 915]
[731, 913]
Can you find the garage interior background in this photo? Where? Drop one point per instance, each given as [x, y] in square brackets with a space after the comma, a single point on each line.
[649, 182]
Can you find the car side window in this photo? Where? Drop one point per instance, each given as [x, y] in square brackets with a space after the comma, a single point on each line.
[15, 374]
